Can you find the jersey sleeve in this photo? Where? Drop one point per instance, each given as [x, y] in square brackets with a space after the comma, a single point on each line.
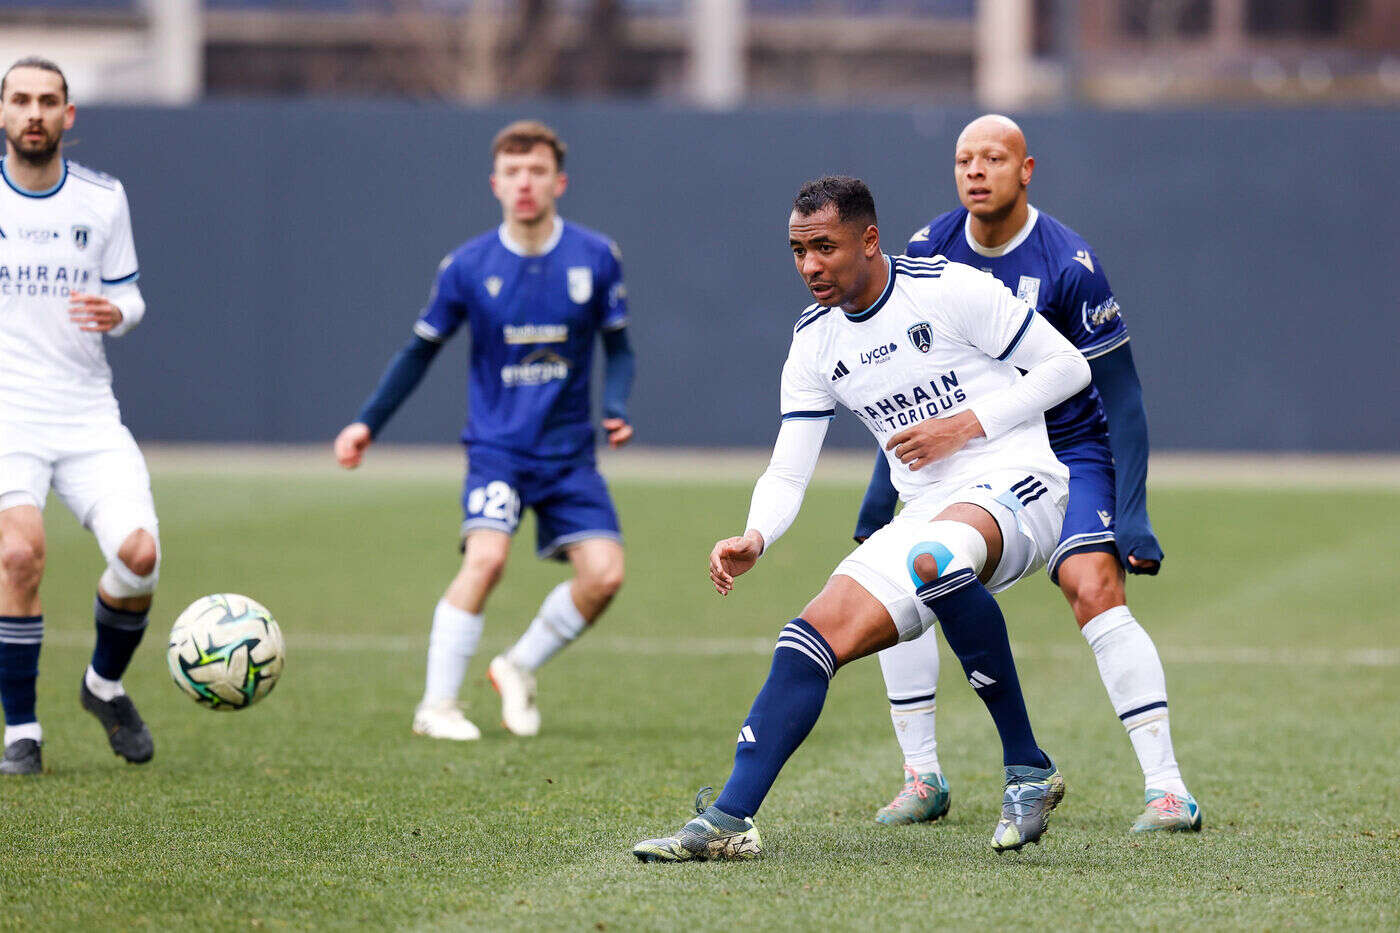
[447, 306]
[921, 243]
[1085, 310]
[805, 395]
[614, 290]
[119, 252]
[985, 313]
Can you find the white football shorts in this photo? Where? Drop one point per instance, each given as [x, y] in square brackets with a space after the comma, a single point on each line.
[96, 469]
[1029, 508]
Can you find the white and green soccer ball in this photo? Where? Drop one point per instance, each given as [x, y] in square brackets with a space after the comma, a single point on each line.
[226, 651]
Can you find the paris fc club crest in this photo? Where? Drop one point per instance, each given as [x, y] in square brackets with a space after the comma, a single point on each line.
[1028, 290]
[580, 284]
[493, 285]
[921, 336]
[80, 236]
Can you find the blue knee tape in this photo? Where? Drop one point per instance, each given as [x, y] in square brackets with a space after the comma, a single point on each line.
[940, 554]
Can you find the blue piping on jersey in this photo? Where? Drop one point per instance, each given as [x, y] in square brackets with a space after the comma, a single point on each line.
[809, 415]
[1016, 341]
[33, 194]
[126, 278]
[803, 322]
[870, 312]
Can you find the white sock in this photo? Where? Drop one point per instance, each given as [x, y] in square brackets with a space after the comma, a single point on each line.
[558, 623]
[102, 688]
[911, 679]
[27, 730]
[450, 649]
[1137, 687]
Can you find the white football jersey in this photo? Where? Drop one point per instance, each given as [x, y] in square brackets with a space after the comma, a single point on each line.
[937, 342]
[75, 237]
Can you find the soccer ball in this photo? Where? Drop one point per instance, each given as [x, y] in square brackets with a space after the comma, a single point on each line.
[226, 651]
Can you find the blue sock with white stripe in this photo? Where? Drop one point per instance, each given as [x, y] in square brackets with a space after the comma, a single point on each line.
[20, 638]
[975, 629]
[118, 634]
[781, 716]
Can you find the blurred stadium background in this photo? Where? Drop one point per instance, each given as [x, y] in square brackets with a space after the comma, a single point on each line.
[297, 167]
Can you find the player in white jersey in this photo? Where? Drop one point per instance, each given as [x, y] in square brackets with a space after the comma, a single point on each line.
[67, 277]
[930, 356]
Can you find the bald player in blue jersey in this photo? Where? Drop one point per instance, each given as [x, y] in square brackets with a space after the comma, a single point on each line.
[535, 294]
[1100, 434]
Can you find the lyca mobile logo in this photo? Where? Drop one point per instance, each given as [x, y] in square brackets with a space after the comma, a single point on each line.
[880, 354]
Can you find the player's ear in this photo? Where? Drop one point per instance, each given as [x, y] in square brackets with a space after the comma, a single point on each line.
[561, 182]
[870, 239]
[70, 113]
[1027, 167]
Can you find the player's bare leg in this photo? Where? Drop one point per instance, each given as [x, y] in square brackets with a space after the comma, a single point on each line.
[457, 624]
[21, 632]
[124, 596]
[1132, 673]
[599, 568]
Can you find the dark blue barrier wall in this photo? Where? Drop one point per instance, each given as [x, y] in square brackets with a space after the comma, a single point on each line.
[285, 249]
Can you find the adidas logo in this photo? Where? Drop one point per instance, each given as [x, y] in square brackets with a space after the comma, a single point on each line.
[979, 680]
[840, 371]
[746, 735]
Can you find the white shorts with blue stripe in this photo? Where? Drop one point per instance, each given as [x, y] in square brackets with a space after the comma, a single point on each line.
[1029, 508]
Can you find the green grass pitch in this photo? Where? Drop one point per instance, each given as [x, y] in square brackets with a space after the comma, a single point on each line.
[1276, 617]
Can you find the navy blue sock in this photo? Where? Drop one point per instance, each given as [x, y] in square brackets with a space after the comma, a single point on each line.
[118, 634]
[781, 716]
[20, 637]
[976, 631]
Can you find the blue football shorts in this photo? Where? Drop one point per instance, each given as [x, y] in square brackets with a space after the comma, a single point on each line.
[1090, 516]
[569, 498]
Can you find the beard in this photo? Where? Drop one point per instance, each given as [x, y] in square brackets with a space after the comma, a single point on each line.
[38, 155]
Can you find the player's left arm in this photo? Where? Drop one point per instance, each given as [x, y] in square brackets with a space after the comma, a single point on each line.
[118, 306]
[620, 363]
[1090, 315]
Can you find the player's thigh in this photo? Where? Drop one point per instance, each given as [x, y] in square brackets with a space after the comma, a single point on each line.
[484, 553]
[1089, 525]
[102, 478]
[575, 508]
[853, 620]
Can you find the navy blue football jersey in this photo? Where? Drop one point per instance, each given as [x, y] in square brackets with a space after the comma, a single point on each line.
[533, 321]
[1054, 270]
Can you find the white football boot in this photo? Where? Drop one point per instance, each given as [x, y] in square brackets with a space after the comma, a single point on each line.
[519, 714]
[442, 719]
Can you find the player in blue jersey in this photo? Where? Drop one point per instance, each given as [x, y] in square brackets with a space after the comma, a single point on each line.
[1100, 434]
[535, 294]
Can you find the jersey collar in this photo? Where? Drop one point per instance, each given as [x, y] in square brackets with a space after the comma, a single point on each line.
[46, 193]
[509, 242]
[868, 313]
[991, 252]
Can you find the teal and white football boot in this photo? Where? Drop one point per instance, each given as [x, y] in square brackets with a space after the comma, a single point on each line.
[923, 799]
[1171, 812]
[712, 836]
[1030, 795]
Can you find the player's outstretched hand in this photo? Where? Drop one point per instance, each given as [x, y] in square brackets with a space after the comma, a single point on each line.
[1138, 565]
[619, 431]
[732, 557]
[934, 439]
[93, 313]
[350, 444]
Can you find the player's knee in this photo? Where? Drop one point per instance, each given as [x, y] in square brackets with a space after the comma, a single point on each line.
[139, 553]
[603, 581]
[485, 566]
[946, 547]
[23, 563]
[1091, 593]
[135, 569]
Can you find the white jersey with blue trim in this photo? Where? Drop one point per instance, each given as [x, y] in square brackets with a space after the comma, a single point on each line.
[74, 237]
[937, 342]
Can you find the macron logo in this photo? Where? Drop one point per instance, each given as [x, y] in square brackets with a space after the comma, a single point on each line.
[979, 680]
[1082, 257]
[840, 371]
[1105, 517]
[746, 735]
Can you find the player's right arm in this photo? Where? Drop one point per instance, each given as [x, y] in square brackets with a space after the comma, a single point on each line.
[445, 313]
[807, 409]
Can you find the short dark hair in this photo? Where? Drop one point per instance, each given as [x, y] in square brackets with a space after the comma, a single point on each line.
[43, 64]
[524, 135]
[852, 199]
